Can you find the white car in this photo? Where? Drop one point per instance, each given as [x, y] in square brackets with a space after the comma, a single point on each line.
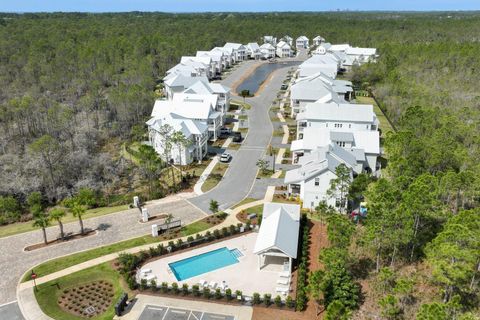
[225, 157]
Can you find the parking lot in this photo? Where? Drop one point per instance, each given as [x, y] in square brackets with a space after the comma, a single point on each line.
[169, 313]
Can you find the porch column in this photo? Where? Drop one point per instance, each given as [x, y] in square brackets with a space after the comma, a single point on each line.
[258, 262]
[290, 264]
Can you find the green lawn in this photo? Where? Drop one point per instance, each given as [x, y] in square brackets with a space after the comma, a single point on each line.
[215, 176]
[48, 293]
[245, 105]
[21, 227]
[267, 174]
[384, 124]
[76, 258]
[257, 209]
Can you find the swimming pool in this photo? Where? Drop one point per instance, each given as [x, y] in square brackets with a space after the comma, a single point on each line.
[203, 263]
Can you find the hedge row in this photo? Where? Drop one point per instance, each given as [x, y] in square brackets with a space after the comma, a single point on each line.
[302, 296]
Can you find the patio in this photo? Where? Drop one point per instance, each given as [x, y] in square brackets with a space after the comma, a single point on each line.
[244, 275]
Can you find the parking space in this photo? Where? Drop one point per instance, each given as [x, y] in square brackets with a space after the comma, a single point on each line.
[151, 312]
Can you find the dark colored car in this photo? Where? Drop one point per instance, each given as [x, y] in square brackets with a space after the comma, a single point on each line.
[237, 137]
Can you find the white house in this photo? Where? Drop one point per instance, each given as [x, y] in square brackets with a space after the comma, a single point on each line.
[288, 40]
[222, 92]
[267, 50]
[342, 87]
[227, 56]
[361, 55]
[302, 42]
[283, 50]
[195, 132]
[338, 117]
[364, 145]
[177, 83]
[239, 51]
[253, 50]
[303, 93]
[277, 239]
[311, 181]
[217, 60]
[328, 64]
[198, 107]
[270, 39]
[318, 40]
[202, 63]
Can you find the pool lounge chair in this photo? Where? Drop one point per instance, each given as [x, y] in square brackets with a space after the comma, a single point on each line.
[283, 281]
[284, 274]
[283, 290]
[212, 285]
[223, 286]
[202, 283]
[145, 271]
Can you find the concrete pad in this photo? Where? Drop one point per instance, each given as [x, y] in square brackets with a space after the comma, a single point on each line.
[279, 158]
[285, 134]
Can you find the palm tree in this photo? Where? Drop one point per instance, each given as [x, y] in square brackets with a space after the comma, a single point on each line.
[179, 139]
[78, 210]
[57, 214]
[42, 220]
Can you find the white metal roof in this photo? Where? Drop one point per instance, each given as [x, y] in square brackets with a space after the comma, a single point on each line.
[361, 51]
[279, 229]
[339, 112]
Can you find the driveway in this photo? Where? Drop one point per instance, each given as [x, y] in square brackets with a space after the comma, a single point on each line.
[240, 176]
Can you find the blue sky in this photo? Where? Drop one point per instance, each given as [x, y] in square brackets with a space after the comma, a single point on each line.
[232, 5]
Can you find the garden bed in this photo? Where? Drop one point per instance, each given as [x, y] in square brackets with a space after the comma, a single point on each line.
[68, 237]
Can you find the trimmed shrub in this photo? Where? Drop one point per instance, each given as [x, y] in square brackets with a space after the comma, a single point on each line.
[206, 293]
[289, 302]
[164, 287]
[267, 299]
[185, 289]
[218, 293]
[278, 301]
[196, 290]
[238, 293]
[153, 285]
[143, 284]
[256, 298]
[175, 287]
[228, 294]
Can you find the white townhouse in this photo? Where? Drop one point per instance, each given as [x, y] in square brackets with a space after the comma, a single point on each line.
[253, 51]
[302, 42]
[283, 50]
[303, 93]
[238, 50]
[364, 145]
[222, 92]
[227, 56]
[186, 70]
[328, 64]
[217, 61]
[342, 87]
[339, 47]
[318, 40]
[270, 39]
[204, 62]
[195, 132]
[198, 107]
[177, 83]
[267, 50]
[322, 48]
[338, 117]
[288, 40]
[361, 55]
[311, 181]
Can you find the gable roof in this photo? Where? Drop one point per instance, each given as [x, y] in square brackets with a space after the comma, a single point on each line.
[188, 106]
[302, 38]
[361, 51]
[187, 126]
[253, 46]
[282, 44]
[279, 229]
[339, 112]
[267, 46]
[235, 46]
[319, 38]
[183, 80]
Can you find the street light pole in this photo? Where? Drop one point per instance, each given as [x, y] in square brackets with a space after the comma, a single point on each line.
[34, 276]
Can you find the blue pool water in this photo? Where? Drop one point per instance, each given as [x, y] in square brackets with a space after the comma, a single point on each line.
[203, 263]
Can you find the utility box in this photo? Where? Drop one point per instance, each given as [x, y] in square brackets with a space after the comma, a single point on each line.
[145, 215]
[136, 202]
[154, 230]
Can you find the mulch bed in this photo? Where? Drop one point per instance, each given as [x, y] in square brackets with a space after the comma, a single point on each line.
[243, 217]
[87, 300]
[68, 237]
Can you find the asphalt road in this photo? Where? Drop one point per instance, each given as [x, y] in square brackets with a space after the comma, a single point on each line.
[240, 176]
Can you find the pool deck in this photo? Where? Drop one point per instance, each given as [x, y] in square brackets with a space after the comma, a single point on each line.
[244, 276]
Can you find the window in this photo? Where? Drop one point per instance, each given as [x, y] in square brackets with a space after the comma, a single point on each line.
[317, 181]
[350, 125]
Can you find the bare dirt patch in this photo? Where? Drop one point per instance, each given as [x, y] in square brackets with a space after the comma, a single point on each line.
[68, 237]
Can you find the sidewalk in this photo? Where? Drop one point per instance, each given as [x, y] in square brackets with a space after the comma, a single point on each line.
[25, 294]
